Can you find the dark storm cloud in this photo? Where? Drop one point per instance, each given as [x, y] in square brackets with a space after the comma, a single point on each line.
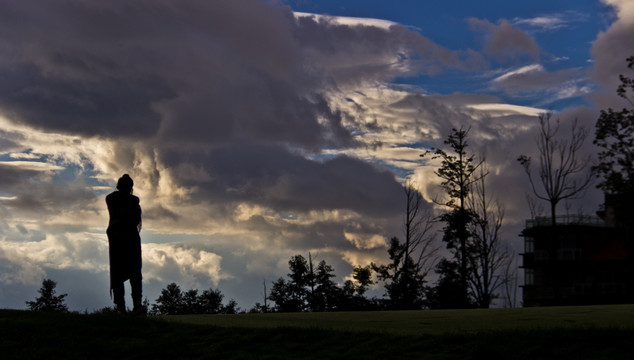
[199, 70]
[107, 106]
[287, 181]
[224, 87]
[362, 53]
[193, 71]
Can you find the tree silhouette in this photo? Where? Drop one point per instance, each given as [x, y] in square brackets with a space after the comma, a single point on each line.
[458, 172]
[282, 295]
[326, 293]
[210, 301]
[488, 257]
[404, 283]
[230, 308]
[170, 302]
[300, 278]
[47, 301]
[363, 277]
[314, 290]
[410, 261]
[173, 301]
[561, 169]
[614, 134]
[448, 292]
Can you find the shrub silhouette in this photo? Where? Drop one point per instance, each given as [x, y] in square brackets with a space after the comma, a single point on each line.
[47, 301]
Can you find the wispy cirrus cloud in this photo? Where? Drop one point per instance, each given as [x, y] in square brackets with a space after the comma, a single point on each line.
[536, 79]
[550, 22]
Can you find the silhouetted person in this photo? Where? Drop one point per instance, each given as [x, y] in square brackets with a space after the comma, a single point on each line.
[125, 244]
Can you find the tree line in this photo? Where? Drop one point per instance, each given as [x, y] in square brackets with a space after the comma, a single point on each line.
[172, 301]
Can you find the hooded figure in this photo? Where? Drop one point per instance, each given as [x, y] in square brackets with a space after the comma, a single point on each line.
[125, 244]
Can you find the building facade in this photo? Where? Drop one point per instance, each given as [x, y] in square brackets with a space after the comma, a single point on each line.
[581, 260]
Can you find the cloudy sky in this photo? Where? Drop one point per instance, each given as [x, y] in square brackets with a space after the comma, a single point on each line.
[257, 130]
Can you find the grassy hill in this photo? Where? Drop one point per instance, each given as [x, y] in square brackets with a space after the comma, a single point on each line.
[600, 332]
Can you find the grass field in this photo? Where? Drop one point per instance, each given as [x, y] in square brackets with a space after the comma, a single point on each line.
[434, 322]
[599, 332]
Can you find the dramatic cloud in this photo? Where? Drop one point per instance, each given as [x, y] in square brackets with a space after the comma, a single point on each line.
[252, 133]
[213, 108]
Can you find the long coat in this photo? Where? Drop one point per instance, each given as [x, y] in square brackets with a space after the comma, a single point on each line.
[123, 236]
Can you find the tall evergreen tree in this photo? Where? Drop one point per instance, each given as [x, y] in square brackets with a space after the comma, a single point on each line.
[300, 278]
[293, 295]
[458, 173]
[326, 292]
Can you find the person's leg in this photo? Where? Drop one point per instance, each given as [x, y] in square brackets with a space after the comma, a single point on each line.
[136, 283]
[137, 291]
[118, 295]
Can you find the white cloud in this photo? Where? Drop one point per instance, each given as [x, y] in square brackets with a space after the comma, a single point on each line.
[176, 263]
[365, 241]
[521, 71]
[507, 109]
[348, 21]
[79, 251]
[32, 165]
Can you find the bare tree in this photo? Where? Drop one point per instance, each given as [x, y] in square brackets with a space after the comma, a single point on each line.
[419, 240]
[562, 172]
[536, 209]
[488, 256]
[412, 260]
[511, 282]
[266, 307]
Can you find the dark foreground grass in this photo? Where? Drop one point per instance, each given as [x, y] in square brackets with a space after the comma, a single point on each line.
[28, 335]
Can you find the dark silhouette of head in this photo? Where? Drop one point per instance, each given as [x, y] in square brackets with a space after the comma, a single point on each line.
[125, 184]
